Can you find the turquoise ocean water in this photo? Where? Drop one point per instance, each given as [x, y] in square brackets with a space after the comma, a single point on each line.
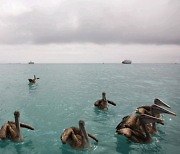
[66, 93]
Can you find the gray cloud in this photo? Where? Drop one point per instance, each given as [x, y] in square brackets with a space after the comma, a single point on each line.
[101, 22]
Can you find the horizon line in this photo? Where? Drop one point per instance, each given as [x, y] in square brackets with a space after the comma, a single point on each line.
[92, 63]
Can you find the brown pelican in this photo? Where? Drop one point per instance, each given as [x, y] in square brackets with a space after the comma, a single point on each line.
[136, 128]
[33, 80]
[77, 137]
[102, 103]
[11, 130]
[155, 110]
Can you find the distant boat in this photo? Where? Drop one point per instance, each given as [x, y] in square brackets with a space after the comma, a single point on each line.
[126, 61]
[31, 62]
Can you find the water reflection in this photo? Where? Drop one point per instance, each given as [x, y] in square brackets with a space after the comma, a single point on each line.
[24, 146]
[153, 147]
[17, 147]
[161, 135]
[32, 86]
[123, 145]
[4, 143]
[99, 111]
[101, 115]
[66, 149]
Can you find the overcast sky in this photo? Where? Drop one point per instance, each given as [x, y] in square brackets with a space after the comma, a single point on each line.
[89, 31]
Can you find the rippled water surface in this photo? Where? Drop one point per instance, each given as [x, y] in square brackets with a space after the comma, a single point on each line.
[66, 93]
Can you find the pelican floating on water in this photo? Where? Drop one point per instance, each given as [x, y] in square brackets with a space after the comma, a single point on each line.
[33, 80]
[11, 130]
[155, 110]
[77, 137]
[102, 103]
[137, 128]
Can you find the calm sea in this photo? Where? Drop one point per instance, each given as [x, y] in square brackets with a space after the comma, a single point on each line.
[66, 93]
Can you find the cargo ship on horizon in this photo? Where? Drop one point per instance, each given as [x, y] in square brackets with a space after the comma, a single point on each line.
[31, 62]
[126, 61]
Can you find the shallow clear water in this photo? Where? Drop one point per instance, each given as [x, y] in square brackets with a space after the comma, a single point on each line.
[66, 93]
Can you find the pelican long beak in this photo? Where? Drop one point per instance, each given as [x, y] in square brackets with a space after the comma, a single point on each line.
[84, 133]
[157, 101]
[17, 123]
[17, 116]
[158, 110]
[150, 119]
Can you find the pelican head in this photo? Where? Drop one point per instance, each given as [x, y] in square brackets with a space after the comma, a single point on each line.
[81, 123]
[157, 101]
[16, 114]
[103, 95]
